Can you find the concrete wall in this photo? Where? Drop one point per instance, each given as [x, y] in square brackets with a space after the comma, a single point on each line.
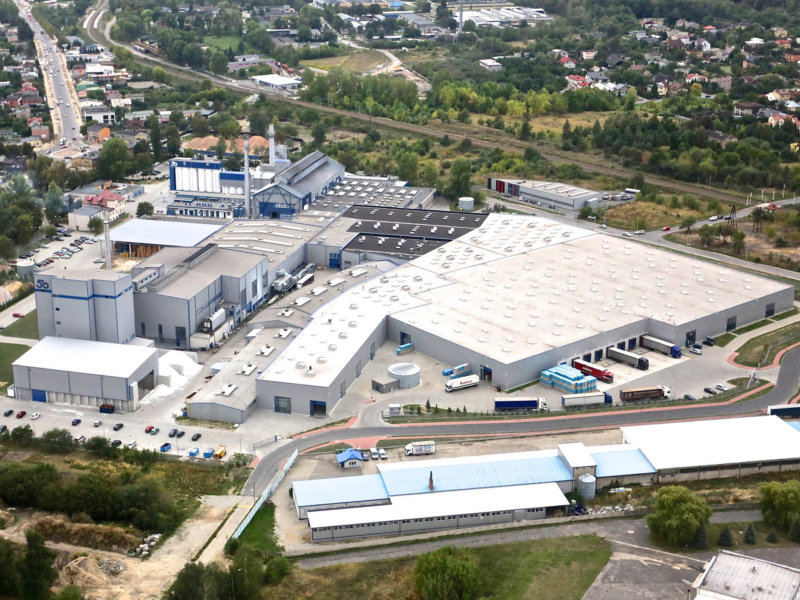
[153, 309]
[727, 471]
[213, 411]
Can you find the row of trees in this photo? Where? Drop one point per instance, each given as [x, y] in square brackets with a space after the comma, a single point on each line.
[681, 517]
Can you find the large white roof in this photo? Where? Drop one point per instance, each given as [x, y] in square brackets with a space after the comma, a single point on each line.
[443, 504]
[715, 442]
[519, 286]
[84, 356]
[163, 233]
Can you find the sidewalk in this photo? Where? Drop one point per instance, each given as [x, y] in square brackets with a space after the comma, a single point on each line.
[740, 340]
[215, 550]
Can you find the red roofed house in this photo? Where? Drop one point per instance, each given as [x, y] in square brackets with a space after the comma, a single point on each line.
[792, 56]
[110, 200]
[779, 119]
[784, 43]
[35, 122]
[43, 133]
[566, 62]
[576, 81]
[696, 78]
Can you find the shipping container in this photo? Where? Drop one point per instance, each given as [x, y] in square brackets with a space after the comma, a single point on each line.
[629, 358]
[587, 399]
[655, 392]
[653, 343]
[588, 368]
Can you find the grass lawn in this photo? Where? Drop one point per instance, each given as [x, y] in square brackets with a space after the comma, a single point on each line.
[785, 315]
[557, 569]
[737, 532]
[8, 354]
[26, 327]
[260, 533]
[357, 62]
[724, 339]
[752, 326]
[765, 347]
[227, 42]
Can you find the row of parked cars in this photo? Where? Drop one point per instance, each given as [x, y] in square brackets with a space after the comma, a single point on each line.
[720, 387]
[374, 454]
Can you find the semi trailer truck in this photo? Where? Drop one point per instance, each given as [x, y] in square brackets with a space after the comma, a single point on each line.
[629, 358]
[655, 392]
[653, 343]
[538, 404]
[214, 321]
[586, 399]
[462, 382]
[587, 368]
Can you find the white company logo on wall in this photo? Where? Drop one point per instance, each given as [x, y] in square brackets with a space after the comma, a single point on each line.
[42, 285]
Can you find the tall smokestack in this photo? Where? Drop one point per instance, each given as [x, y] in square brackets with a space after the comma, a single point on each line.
[247, 178]
[271, 145]
[460, 15]
[430, 481]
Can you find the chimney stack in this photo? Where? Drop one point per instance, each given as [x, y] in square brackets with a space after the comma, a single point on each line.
[271, 145]
[247, 178]
[430, 481]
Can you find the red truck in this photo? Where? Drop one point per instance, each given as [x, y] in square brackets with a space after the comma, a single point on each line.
[588, 368]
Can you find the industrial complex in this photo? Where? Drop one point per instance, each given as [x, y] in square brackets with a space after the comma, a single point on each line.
[417, 495]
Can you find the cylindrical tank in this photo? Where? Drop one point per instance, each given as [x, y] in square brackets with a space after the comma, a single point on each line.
[587, 486]
[407, 374]
[25, 268]
[466, 203]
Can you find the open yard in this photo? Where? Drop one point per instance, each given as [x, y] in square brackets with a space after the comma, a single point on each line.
[26, 327]
[8, 354]
[357, 62]
[649, 215]
[520, 571]
[260, 533]
[228, 42]
[765, 347]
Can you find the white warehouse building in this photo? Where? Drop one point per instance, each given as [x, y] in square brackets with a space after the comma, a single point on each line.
[512, 298]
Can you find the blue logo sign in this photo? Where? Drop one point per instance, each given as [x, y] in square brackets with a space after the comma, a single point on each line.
[42, 285]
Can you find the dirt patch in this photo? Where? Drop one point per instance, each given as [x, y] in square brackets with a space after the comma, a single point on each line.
[647, 215]
[85, 572]
[99, 537]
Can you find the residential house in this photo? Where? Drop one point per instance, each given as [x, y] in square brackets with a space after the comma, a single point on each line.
[724, 83]
[696, 78]
[12, 35]
[780, 32]
[350, 458]
[575, 82]
[687, 25]
[77, 70]
[99, 114]
[588, 54]
[723, 139]
[702, 44]
[97, 133]
[85, 162]
[747, 109]
[566, 62]
[781, 119]
[109, 200]
[783, 43]
[597, 77]
[754, 42]
[792, 55]
[79, 218]
[709, 30]
[125, 103]
[41, 132]
[614, 59]
[558, 53]
[113, 95]
[490, 64]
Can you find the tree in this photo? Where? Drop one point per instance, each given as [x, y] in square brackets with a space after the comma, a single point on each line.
[247, 573]
[772, 537]
[758, 216]
[71, 592]
[35, 568]
[53, 204]
[707, 233]
[678, 515]
[173, 136]
[58, 439]
[701, 538]
[448, 573]
[96, 225]
[525, 130]
[725, 539]
[199, 125]
[188, 585]
[407, 164]
[688, 223]
[750, 535]
[318, 133]
[22, 435]
[144, 209]
[780, 503]
[459, 183]
[738, 241]
[155, 137]
[7, 248]
[218, 63]
[230, 129]
[794, 531]
[49, 231]
[114, 160]
[8, 571]
[220, 148]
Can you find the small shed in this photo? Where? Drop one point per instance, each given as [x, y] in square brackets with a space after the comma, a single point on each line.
[385, 384]
[349, 458]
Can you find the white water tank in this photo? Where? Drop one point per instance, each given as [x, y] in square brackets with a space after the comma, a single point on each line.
[587, 486]
[466, 203]
[407, 374]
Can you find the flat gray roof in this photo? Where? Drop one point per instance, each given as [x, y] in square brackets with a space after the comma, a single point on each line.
[163, 233]
[84, 356]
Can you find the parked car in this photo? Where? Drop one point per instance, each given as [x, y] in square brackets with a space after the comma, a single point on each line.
[22, 413]
[80, 439]
[35, 416]
[154, 430]
[180, 434]
[722, 387]
[710, 391]
[666, 228]
[9, 412]
[17, 315]
[709, 341]
[76, 422]
[148, 429]
[118, 426]
[373, 452]
[173, 432]
[3, 429]
[195, 437]
[713, 218]
[382, 454]
[116, 443]
[695, 350]
[689, 397]
[639, 232]
[98, 261]
[365, 455]
[132, 444]
[627, 234]
[603, 226]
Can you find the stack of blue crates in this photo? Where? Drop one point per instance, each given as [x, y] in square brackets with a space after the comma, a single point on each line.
[568, 380]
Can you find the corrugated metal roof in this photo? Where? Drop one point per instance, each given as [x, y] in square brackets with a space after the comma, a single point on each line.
[462, 502]
[163, 233]
[318, 492]
[795, 424]
[733, 575]
[618, 461]
[499, 471]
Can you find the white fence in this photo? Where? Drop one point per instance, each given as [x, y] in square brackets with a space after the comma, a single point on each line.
[276, 481]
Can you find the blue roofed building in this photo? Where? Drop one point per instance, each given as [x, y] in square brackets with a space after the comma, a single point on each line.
[338, 492]
[349, 459]
[621, 463]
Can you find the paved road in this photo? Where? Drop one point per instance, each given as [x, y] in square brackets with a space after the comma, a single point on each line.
[62, 99]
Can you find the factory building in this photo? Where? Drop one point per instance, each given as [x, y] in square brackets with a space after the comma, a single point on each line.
[548, 194]
[140, 238]
[732, 576]
[423, 495]
[513, 297]
[85, 305]
[86, 373]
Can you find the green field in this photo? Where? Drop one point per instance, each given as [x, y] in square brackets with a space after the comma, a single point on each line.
[8, 354]
[227, 42]
[553, 569]
[357, 62]
[260, 533]
[26, 327]
[766, 347]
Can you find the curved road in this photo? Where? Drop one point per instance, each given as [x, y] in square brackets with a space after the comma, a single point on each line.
[489, 139]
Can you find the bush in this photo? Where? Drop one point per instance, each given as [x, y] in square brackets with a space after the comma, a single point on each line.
[679, 514]
[794, 531]
[701, 538]
[448, 573]
[750, 535]
[232, 545]
[772, 537]
[276, 569]
[780, 503]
